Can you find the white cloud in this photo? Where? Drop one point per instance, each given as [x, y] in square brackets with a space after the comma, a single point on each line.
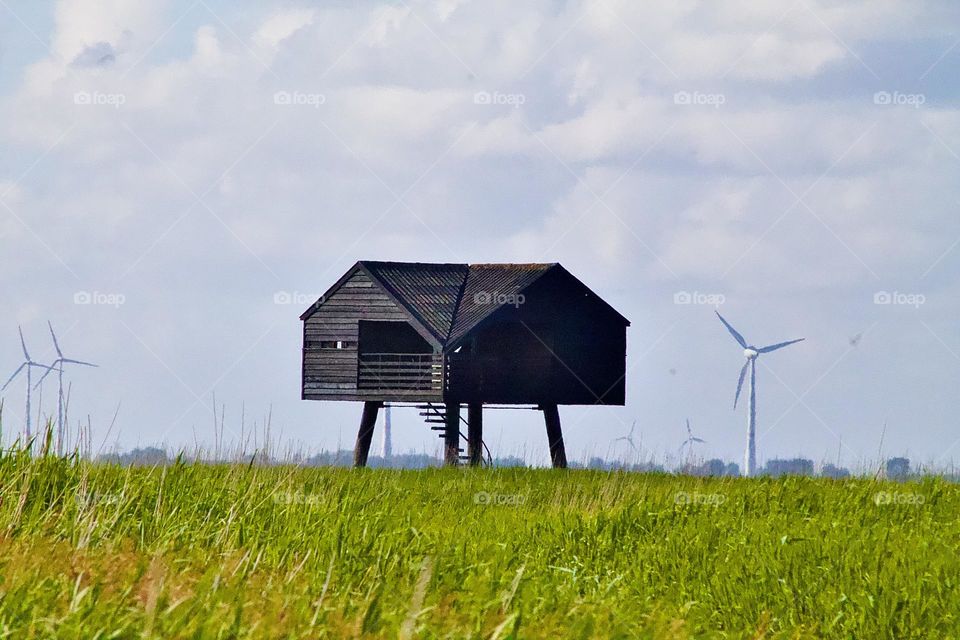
[84, 23]
[282, 25]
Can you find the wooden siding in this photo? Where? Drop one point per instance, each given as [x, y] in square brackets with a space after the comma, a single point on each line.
[331, 374]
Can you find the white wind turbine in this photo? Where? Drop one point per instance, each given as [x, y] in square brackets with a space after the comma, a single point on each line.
[27, 365]
[690, 441]
[751, 353]
[58, 367]
[629, 437]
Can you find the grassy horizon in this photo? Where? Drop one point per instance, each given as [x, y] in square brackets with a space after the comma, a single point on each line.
[190, 550]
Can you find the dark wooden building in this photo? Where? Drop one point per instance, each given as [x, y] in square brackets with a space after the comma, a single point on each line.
[443, 336]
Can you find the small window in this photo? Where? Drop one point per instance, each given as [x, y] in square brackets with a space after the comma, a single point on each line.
[337, 344]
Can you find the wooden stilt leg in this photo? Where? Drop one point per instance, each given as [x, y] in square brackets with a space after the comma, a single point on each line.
[475, 434]
[451, 435]
[365, 436]
[558, 453]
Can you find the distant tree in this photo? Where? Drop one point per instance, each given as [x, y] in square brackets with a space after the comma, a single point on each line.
[792, 467]
[833, 471]
[509, 461]
[898, 468]
[714, 467]
[147, 456]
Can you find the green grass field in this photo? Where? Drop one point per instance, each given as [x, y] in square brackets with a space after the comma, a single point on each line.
[240, 551]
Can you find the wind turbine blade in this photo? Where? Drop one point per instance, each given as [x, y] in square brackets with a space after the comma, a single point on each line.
[23, 343]
[86, 364]
[15, 374]
[48, 371]
[736, 335]
[700, 440]
[743, 374]
[55, 343]
[779, 345]
[689, 433]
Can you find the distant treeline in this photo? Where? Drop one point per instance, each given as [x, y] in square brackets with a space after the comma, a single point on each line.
[893, 468]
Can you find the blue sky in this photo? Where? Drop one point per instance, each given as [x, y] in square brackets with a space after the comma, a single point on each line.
[793, 161]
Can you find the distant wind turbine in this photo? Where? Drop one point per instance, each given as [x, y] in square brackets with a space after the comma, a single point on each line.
[751, 353]
[27, 365]
[58, 367]
[690, 441]
[629, 437]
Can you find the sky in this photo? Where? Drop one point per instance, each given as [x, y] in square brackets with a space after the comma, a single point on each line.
[179, 180]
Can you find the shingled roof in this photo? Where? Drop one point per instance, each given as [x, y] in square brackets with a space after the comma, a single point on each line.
[450, 300]
[485, 281]
[429, 291]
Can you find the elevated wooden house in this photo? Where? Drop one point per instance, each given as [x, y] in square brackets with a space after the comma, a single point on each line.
[443, 336]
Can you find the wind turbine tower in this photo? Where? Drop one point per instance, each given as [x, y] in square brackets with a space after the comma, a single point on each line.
[751, 353]
[58, 367]
[27, 366]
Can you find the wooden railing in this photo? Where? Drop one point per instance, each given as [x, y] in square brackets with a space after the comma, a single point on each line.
[400, 372]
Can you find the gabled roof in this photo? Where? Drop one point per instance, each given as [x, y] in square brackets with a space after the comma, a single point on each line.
[450, 300]
[428, 291]
[488, 288]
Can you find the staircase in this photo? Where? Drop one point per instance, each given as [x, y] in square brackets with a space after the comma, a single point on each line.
[436, 416]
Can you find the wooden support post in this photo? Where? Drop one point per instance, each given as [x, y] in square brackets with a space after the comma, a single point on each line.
[451, 435]
[365, 436]
[558, 453]
[475, 433]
